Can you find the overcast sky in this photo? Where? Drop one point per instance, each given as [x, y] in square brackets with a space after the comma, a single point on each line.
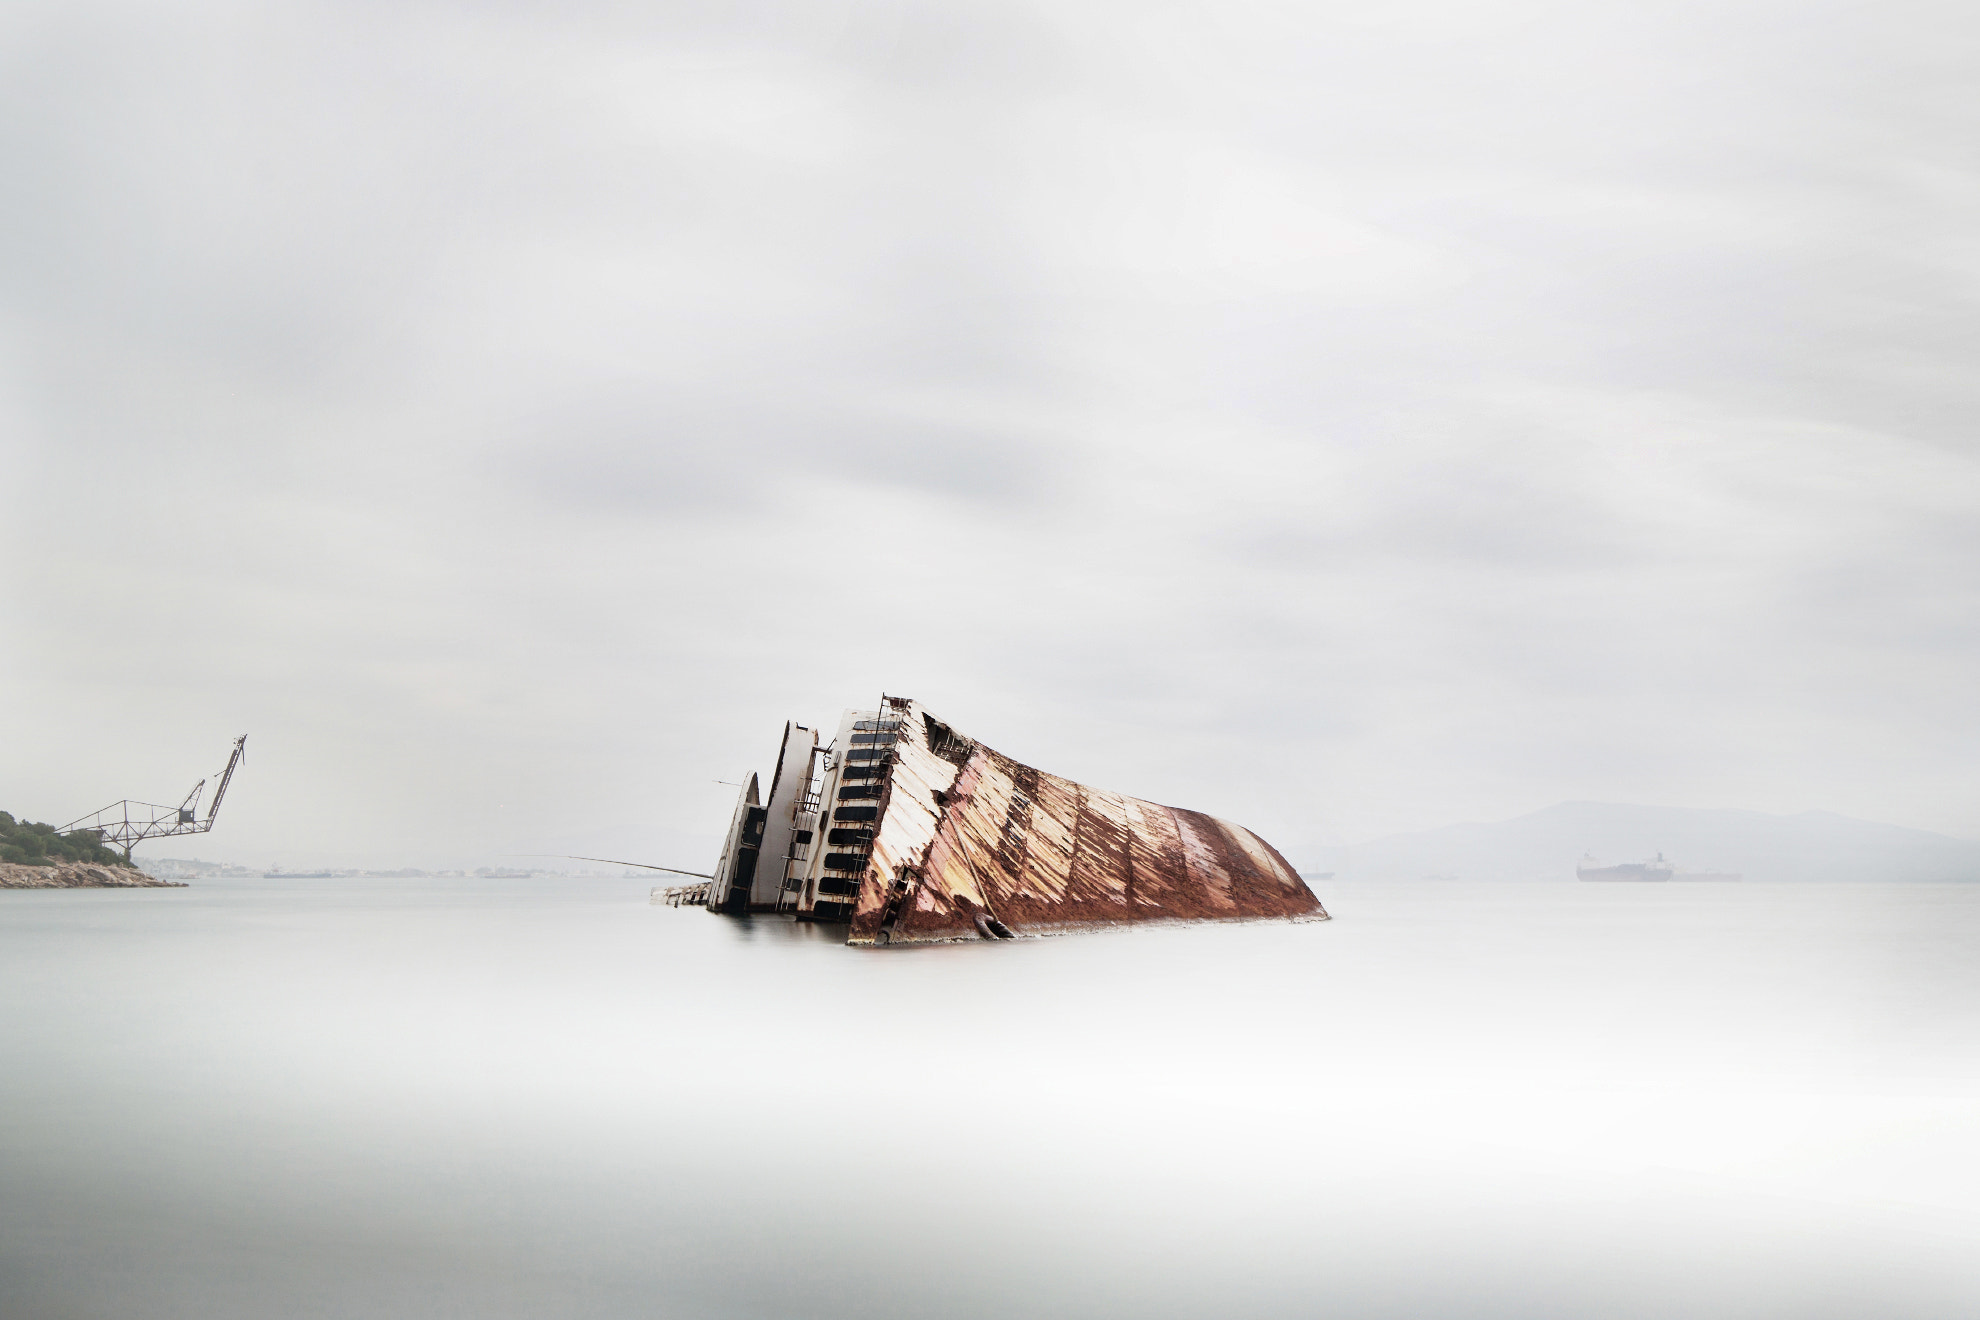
[1340, 418]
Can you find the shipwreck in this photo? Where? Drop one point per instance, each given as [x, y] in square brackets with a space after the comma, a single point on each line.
[909, 832]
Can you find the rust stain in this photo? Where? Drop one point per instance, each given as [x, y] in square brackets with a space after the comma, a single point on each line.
[971, 844]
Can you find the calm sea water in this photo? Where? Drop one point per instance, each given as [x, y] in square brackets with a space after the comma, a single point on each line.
[546, 1098]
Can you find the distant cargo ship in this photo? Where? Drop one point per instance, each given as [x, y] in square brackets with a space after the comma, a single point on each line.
[1656, 870]
[298, 875]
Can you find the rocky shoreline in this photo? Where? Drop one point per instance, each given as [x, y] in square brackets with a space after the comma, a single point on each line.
[79, 875]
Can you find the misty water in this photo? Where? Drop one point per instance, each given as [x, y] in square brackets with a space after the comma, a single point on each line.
[546, 1098]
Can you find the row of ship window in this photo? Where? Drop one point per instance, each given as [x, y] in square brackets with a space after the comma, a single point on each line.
[867, 760]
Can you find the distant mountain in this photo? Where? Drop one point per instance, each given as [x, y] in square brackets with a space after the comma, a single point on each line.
[1816, 845]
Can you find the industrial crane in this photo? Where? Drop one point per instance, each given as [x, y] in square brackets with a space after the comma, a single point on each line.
[127, 823]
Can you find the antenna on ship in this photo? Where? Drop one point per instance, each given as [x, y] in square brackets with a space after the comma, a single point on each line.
[127, 824]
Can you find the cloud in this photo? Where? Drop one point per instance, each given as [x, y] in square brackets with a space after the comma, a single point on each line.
[729, 458]
[1343, 420]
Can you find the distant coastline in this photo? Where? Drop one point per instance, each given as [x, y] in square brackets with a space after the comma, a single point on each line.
[1712, 845]
[79, 875]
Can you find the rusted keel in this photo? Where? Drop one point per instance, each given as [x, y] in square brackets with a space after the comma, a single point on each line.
[912, 833]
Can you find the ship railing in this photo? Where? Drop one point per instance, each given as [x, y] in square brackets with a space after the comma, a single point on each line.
[694, 895]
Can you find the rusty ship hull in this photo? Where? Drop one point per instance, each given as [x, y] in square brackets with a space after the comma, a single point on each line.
[929, 836]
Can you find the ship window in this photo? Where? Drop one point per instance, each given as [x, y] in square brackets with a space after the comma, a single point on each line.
[832, 911]
[868, 754]
[802, 836]
[876, 724]
[845, 861]
[835, 884]
[859, 791]
[850, 838]
[856, 813]
[863, 772]
[881, 738]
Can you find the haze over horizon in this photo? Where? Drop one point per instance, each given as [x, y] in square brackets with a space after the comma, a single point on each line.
[1343, 420]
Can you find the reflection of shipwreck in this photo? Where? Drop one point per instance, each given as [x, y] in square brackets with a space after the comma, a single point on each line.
[911, 833]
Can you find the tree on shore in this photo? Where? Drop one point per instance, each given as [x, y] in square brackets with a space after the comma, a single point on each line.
[32, 843]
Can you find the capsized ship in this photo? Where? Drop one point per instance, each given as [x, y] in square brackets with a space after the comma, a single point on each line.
[910, 832]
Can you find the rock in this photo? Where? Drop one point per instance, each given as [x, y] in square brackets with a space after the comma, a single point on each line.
[79, 875]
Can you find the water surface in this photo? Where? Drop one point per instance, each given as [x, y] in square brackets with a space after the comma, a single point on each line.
[544, 1098]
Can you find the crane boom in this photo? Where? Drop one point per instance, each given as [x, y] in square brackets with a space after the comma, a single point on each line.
[240, 750]
[128, 823]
